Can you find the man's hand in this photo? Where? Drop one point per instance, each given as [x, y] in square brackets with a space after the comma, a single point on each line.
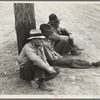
[51, 70]
[57, 37]
[71, 37]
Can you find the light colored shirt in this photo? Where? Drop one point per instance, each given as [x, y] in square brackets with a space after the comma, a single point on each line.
[38, 52]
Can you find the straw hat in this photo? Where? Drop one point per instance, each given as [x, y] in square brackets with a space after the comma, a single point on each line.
[35, 33]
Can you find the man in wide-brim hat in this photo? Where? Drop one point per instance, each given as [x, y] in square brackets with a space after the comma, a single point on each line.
[33, 62]
[53, 18]
[55, 22]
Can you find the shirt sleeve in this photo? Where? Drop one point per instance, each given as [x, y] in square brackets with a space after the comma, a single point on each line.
[64, 32]
[51, 55]
[57, 37]
[34, 58]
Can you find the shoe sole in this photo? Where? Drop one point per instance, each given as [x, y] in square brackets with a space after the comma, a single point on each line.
[34, 84]
[48, 90]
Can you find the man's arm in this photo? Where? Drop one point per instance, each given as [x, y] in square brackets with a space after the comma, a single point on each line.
[51, 55]
[37, 60]
[64, 32]
[57, 37]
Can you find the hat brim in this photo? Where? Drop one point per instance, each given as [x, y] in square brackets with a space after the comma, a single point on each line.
[50, 22]
[36, 37]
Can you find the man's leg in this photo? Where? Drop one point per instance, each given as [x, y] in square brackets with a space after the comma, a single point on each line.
[42, 76]
[51, 76]
[71, 42]
[71, 63]
[37, 76]
[27, 71]
[63, 47]
[31, 72]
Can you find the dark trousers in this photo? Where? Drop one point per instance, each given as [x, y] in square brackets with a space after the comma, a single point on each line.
[71, 63]
[63, 47]
[31, 72]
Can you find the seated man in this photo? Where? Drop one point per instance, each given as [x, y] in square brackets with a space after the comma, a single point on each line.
[54, 22]
[54, 59]
[33, 62]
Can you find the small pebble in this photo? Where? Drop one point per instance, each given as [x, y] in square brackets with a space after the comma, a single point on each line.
[8, 51]
[72, 77]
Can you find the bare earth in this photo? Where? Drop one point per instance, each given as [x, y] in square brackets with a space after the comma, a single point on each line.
[82, 20]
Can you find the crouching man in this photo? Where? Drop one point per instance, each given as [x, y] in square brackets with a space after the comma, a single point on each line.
[33, 62]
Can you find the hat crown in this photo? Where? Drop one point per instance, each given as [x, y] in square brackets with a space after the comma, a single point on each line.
[53, 17]
[35, 31]
[45, 27]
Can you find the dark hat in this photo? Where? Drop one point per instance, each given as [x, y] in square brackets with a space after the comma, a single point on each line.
[53, 18]
[45, 28]
[35, 33]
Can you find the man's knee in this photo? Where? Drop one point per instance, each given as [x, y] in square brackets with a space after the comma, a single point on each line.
[71, 41]
[63, 41]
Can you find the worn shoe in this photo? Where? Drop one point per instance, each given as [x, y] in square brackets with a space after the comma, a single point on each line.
[35, 84]
[76, 47]
[75, 52]
[96, 64]
[44, 87]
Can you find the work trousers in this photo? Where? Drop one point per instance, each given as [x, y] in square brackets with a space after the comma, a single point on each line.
[63, 47]
[33, 72]
[71, 63]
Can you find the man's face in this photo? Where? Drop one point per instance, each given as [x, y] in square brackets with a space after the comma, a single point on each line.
[49, 32]
[56, 24]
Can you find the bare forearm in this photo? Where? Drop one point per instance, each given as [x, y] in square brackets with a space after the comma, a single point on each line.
[59, 37]
[42, 64]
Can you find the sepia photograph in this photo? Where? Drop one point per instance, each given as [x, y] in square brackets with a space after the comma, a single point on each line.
[50, 48]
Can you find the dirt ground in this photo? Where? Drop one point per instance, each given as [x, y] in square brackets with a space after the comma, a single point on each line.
[82, 20]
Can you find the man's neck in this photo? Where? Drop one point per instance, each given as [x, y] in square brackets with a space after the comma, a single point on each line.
[54, 26]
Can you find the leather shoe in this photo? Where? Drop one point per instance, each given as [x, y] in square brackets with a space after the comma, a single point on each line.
[96, 64]
[35, 84]
[44, 87]
[76, 47]
[75, 52]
